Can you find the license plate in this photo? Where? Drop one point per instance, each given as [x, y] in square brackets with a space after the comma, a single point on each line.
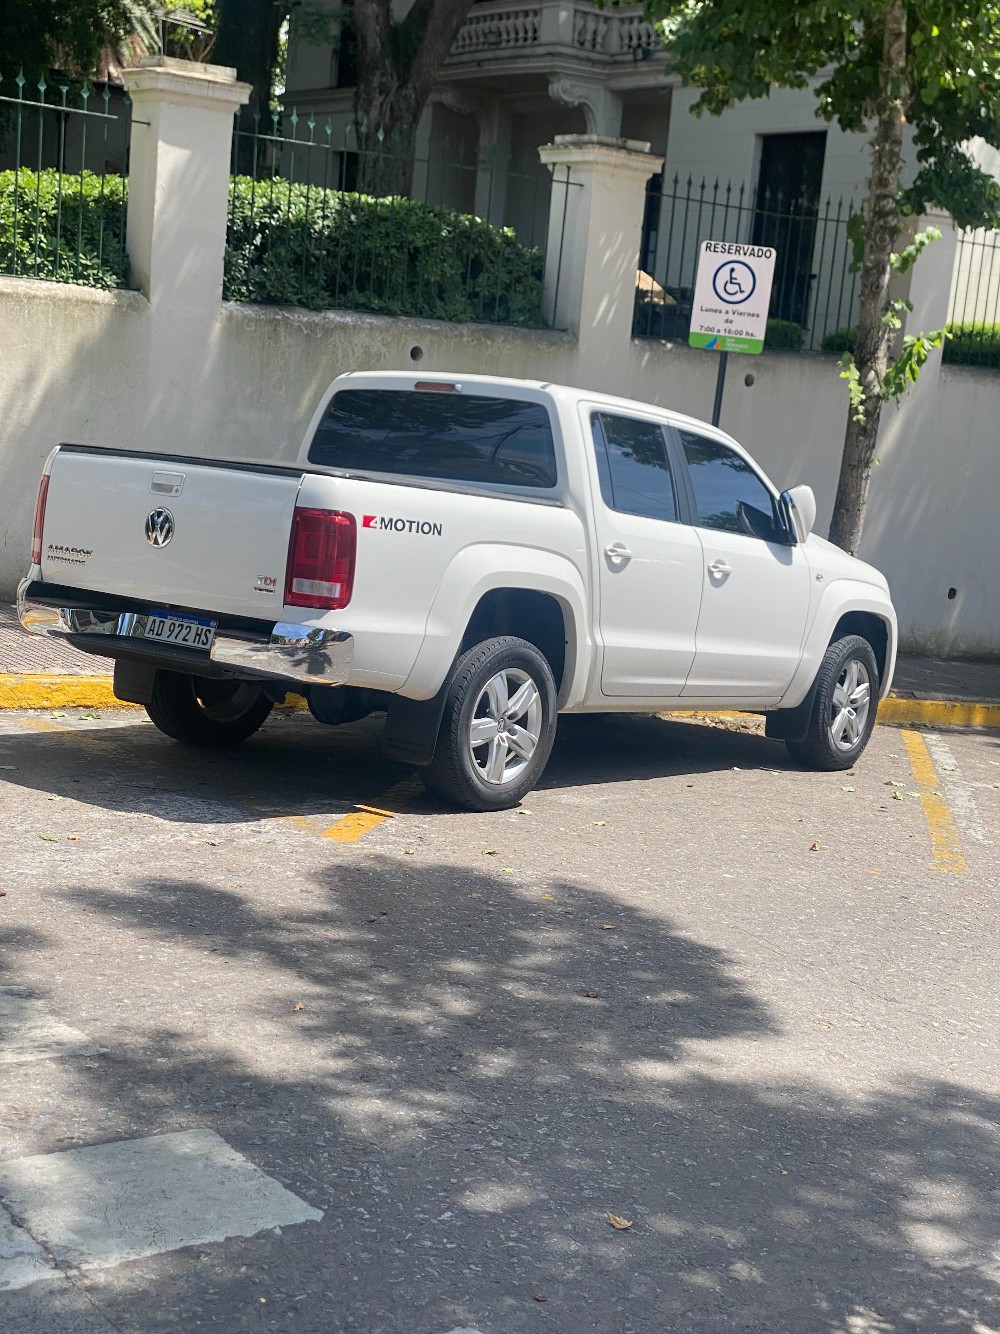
[171, 627]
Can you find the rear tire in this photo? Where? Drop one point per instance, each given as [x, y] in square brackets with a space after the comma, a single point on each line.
[205, 712]
[844, 707]
[498, 726]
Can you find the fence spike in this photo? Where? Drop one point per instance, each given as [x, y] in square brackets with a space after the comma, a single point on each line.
[20, 81]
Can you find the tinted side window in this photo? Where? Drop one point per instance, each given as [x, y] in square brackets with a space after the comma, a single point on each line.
[633, 467]
[728, 493]
[448, 437]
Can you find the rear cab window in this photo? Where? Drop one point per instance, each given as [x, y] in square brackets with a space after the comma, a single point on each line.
[633, 466]
[468, 438]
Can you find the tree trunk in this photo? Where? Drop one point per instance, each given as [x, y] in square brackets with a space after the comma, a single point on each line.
[247, 38]
[397, 66]
[874, 337]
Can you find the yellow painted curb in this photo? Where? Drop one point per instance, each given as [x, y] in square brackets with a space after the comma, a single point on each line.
[44, 691]
[938, 713]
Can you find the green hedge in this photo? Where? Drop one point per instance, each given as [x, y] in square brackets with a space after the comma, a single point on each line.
[323, 249]
[840, 340]
[972, 345]
[70, 228]
[784, 334]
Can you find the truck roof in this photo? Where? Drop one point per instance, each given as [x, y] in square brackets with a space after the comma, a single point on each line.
[567, 393]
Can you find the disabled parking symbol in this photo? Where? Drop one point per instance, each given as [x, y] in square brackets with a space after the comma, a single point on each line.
[734, 282]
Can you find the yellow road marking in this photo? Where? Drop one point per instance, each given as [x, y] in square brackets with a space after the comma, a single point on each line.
[945, 844]
[349, 828]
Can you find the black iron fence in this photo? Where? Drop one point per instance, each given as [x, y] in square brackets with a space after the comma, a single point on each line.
[974, 310]
[318, 220]
[814, 297]
[63, 159]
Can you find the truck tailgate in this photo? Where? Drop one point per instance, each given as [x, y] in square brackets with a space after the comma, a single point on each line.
[193, 533]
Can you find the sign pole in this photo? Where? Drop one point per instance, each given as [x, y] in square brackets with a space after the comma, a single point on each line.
[732, 294]
[720, 384]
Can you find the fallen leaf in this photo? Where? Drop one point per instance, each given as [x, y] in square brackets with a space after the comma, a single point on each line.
[608, 926]
[489, 852]
[898, 796]
[600, 822]
[3, 893]
[539, 1297]
[619, 1224]
[814, 847]
[50, 838]
[521, 810]
[590, 995]
[89, 717]
[891, 782]
[471, 896]
[548, 896]
[57, 715]
[72, 838]
[407, 852]
[847, 788]
[509, 870]
[298, 1006]
[8, 766]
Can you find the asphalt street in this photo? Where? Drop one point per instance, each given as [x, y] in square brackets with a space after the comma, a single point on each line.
[693, 1041]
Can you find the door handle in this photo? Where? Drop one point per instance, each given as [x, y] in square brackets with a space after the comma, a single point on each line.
[719, 567]
[618, 551]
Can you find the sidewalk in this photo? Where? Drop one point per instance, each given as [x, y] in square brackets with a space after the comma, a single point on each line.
[38, 673]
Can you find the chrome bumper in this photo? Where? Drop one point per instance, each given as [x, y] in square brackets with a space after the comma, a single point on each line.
[289, 653]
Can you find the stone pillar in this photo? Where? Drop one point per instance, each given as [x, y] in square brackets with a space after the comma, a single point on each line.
[928, 286]
[928, 283]
[592, 253]
[178, 186]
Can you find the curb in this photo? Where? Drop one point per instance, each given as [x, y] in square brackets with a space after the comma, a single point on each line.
[43, 691]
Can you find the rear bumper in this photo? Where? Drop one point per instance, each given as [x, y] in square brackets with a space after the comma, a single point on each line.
[104, 625]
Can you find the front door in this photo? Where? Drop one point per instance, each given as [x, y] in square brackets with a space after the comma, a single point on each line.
[650, 563]
[756, 587]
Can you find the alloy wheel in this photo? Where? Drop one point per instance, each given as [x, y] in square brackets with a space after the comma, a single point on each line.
[505, 726]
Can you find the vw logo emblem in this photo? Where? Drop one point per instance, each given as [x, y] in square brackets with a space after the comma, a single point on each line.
[159, 528]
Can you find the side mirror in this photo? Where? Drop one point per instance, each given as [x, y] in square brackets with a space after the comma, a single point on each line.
[799, 509]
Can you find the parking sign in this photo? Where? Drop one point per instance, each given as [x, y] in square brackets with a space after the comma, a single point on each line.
[732, 294]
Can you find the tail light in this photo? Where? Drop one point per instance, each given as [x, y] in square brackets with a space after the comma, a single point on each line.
[320, 570]
[36, 534]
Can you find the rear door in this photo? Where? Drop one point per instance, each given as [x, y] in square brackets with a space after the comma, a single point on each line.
[756, 588]
[649, 560]
[210, 536]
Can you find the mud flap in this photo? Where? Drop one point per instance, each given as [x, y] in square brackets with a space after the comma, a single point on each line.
[133, 681]
[412, 726]
[791, 724]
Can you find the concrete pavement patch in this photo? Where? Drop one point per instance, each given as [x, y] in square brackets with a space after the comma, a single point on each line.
[22, 1260]
[99, 1206]
[28, 1032]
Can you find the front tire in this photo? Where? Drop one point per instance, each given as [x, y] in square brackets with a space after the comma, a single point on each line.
[205, 712]
[498, 726]
[844, 707]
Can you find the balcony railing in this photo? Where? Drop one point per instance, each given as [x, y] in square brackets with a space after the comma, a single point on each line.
[581, 27]
[493, 28]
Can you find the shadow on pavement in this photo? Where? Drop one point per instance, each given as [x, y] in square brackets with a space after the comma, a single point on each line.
[297, 766]
[477, 1078]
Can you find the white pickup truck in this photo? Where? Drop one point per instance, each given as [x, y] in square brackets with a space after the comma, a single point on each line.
[474, 556]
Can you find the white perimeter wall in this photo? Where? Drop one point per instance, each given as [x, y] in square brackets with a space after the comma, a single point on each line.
[79, 365]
